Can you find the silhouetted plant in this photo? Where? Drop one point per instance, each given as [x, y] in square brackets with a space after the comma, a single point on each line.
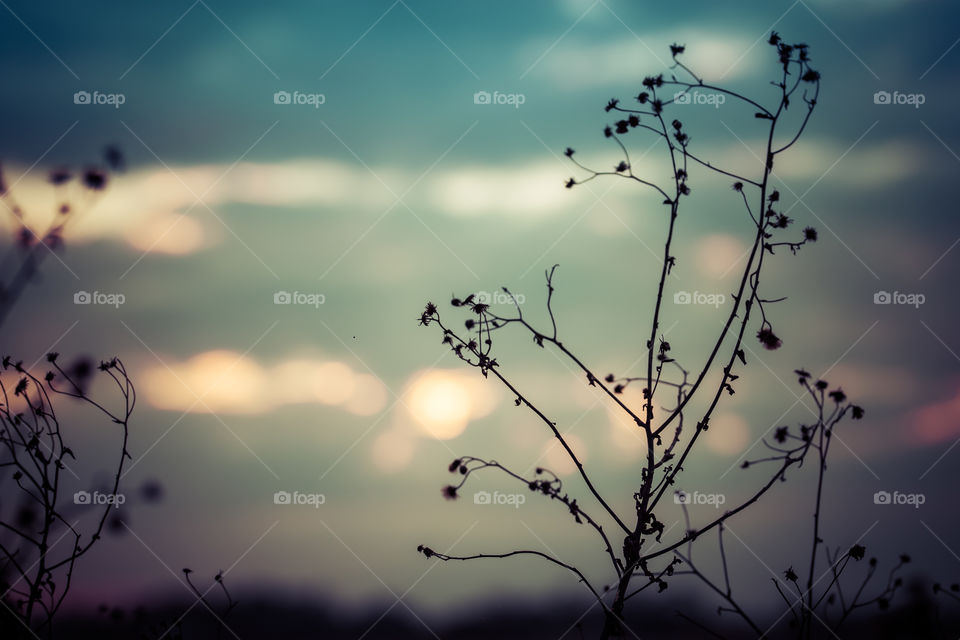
[952, 592]
[42, 532]
[43, 536]
[670, 437]
[174, 629]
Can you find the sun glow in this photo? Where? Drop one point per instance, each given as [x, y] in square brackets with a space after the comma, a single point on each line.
[442, 403]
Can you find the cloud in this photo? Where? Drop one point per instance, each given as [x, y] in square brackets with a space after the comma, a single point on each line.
[556, 459]
[877, 384]
[865, 165]
[534, 189]
[169, 233]
[156, 210]
[575, 64]
[393, 450]
[938, 421]
[728, 435]
[717, 254]
[166, 210]
[528, 190]
[221, 381]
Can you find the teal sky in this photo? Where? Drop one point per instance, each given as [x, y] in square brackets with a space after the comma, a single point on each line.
[396, 188]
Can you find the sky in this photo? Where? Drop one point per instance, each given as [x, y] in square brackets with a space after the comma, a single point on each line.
[342, 154]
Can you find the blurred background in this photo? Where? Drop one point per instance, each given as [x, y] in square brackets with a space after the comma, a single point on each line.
[301, 180]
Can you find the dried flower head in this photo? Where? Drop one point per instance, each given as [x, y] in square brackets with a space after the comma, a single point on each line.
[60, 176]
[769, 339]
[94, 179]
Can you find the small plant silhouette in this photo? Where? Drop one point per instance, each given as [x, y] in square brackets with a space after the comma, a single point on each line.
[174, 629]
[639, 555]
[75, 193]
[42, 535]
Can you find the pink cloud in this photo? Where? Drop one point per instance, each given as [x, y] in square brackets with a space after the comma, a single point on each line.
[938, 421]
